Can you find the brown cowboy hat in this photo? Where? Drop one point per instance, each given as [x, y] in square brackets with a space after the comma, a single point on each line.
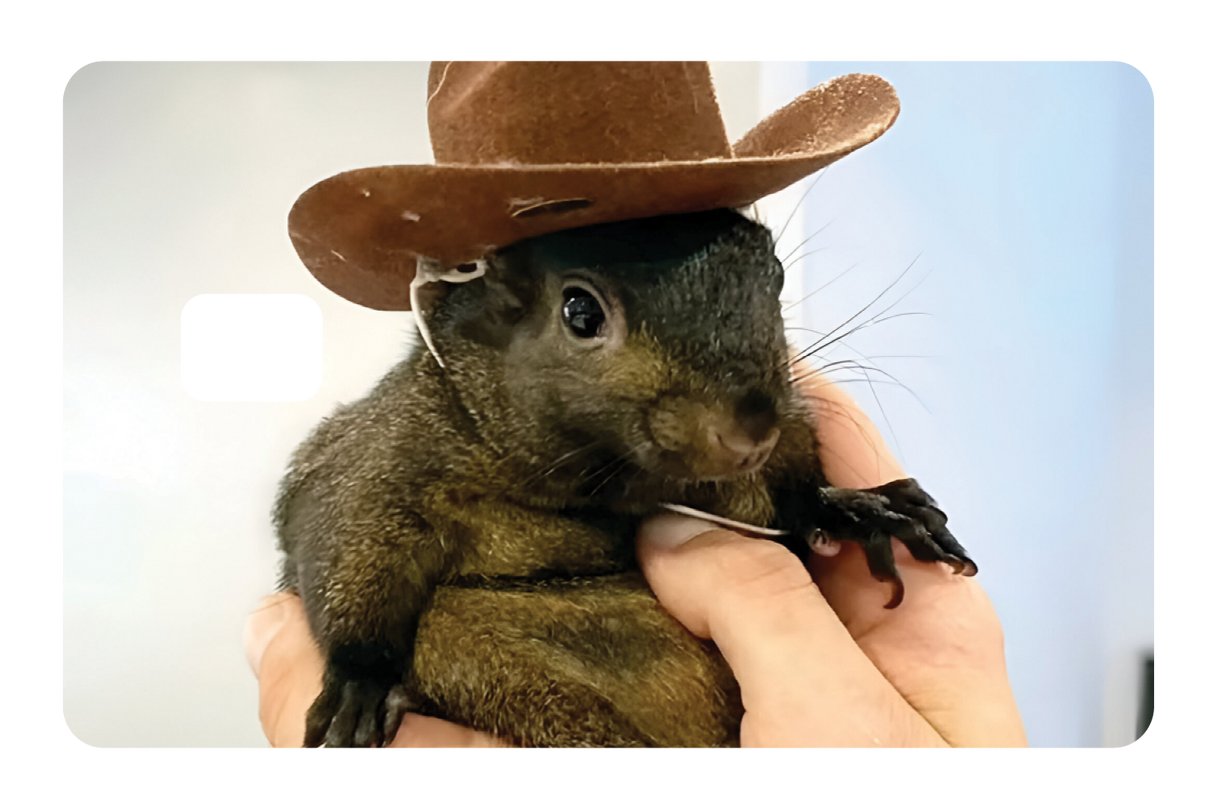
[527, 148]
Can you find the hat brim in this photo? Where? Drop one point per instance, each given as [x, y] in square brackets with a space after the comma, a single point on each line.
[360, 232]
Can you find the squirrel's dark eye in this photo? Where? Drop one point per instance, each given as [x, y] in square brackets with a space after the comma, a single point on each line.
[583, 313]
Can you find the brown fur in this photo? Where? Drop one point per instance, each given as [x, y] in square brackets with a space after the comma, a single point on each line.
[463, 536]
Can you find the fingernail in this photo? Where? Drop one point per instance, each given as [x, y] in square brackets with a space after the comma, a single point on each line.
[667, 531]
[823, 545]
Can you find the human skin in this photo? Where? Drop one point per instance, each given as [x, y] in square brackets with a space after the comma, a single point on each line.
[819, 659]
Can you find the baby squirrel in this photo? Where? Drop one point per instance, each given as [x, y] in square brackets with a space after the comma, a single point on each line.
[462, 537]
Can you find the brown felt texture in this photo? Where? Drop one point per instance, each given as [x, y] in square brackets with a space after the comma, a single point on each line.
[524, 148]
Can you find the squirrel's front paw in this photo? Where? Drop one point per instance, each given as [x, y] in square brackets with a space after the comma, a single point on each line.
[360, 705]
[901, 509]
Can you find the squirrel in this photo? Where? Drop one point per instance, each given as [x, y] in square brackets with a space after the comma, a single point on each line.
[462, 537]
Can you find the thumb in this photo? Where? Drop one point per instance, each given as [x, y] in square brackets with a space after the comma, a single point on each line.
[746, 594]
[803, 679]
[288, 666]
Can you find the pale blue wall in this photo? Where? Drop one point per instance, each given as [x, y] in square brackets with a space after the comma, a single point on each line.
[1026, 192]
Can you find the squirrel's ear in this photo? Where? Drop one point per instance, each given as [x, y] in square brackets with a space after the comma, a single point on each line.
[504, 299]
[508, 291]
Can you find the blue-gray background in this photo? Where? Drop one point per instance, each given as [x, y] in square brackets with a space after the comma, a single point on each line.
[1019, 196]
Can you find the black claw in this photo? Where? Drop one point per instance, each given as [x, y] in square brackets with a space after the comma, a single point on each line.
[395, 707]
[899, 592]
[872, 518]
[963, 566]
[366, 734]
[356, 710]
[320, 715]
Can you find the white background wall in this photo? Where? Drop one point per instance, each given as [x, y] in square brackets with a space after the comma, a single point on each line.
[1025, 190]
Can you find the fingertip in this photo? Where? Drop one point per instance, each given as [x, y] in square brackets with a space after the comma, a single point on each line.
[667, 531]
[263, 623]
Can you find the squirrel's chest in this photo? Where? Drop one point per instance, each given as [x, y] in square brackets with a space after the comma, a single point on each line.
[499, 538]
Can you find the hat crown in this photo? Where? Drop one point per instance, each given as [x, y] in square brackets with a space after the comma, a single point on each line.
[524, 149]
[562, 113]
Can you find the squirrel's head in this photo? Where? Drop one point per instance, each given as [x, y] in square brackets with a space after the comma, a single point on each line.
[655, 344]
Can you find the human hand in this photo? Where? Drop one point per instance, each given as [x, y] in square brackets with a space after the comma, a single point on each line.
[819, 659]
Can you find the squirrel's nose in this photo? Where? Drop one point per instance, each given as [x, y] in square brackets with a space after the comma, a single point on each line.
[745, 442]
[715, 440]
[756, 415]
[736, 451]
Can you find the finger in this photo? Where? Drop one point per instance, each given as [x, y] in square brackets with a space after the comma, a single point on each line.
[942, 649]
[288, 665]
[803, 679]
[860, 599]
[262, 624]
[853, 454]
